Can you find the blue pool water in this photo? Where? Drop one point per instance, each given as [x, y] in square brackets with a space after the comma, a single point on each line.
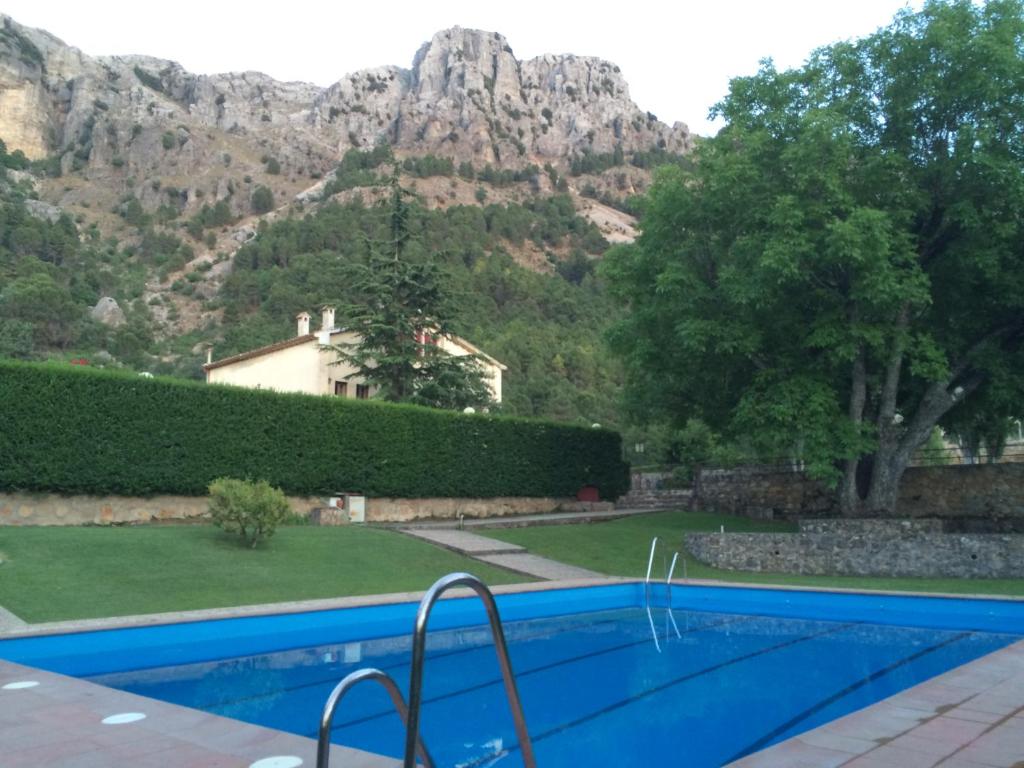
[598, 688]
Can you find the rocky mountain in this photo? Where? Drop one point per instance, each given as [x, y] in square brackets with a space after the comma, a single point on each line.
[122, 119]
[147, 212]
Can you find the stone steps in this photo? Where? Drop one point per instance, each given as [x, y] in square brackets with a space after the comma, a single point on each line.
[675, 498]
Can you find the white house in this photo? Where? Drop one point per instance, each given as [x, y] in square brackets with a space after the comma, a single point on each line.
[302, 364]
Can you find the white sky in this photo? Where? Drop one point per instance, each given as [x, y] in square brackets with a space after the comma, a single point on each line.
[676, 56]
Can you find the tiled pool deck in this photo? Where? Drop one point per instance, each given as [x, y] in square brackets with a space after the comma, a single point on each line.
[970, 717]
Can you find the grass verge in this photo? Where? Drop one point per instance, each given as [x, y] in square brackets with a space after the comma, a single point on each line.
[53, 574]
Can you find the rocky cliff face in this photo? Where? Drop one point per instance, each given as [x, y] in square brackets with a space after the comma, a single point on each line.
[466, 96]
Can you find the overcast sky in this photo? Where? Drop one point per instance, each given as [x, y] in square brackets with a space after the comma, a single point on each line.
[677, 56]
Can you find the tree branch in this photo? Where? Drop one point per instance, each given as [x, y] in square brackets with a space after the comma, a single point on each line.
[964, 363]
[890, 388]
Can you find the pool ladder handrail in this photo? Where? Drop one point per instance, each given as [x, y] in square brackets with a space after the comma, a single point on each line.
[650, 565]
[323, 746]
[419, 646]
[668, 590]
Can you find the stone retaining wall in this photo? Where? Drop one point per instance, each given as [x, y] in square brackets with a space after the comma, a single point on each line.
[865, 548]
[404, 510]
[53, 509]
[972, 497]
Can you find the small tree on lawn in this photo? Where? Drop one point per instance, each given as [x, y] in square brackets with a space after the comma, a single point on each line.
[252, 510]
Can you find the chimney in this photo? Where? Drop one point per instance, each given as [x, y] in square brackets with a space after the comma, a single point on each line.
[327, 321]
[303, 321]
[209, 354]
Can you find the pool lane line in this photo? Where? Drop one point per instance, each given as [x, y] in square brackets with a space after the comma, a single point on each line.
[514, 746]
[533, 671]
[460, 691]
[768, 738]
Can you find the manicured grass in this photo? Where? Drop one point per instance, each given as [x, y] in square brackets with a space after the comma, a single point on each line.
[621, 547]
[51, 574]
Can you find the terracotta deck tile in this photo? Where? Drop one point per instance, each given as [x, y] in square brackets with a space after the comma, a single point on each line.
[792, 754]
[836, 741]
[892, 757]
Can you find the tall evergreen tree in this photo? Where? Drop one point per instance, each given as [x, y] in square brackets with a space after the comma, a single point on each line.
[402, 311]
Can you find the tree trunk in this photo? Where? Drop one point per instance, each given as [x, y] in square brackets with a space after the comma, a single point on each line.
[889, 462]
[887, 471]
[849, 498]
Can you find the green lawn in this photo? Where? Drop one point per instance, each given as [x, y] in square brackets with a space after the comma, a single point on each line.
[51, 574]
[621, 547]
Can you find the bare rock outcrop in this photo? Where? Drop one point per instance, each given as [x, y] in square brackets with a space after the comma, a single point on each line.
[466, 96]
[108, 312]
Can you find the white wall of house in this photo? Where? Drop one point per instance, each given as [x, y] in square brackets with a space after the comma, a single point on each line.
[292, 369]
[492, 373]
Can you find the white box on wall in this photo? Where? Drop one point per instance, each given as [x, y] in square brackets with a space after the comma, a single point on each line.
[355, 506]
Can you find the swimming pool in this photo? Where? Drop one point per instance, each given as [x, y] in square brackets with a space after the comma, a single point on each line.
[727, 672]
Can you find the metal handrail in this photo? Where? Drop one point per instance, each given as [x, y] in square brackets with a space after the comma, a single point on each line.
[323, 747]
[647, 578]
[668, 590]
[419, 647]
[650, 560]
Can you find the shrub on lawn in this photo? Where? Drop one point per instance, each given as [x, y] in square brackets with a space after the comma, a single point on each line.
[252, 510]
[71, 429]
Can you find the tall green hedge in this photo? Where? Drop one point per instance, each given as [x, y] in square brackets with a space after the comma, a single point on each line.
[73, 430]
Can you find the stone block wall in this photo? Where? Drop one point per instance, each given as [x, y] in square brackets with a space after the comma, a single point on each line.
[865, 548]
[384, 510]
[760, 492]
[980, 498]
[973, 497]
[53, 509]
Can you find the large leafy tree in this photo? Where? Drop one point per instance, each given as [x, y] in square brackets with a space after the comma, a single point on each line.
[403, 308]
[843, 267]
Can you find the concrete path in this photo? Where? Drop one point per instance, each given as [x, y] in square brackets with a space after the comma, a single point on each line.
[509, 556]
[9, 621]
[464, 543]
[517, 521]
[539, 567]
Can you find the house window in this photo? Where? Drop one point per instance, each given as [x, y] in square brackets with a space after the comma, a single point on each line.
[363, 391]
[341, 388]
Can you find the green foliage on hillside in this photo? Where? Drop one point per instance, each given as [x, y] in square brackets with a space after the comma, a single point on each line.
[598, 162]
[103, 432]
[262, 200]
[358, 169]
[547, 329]
[212, 216]
[49, 279]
